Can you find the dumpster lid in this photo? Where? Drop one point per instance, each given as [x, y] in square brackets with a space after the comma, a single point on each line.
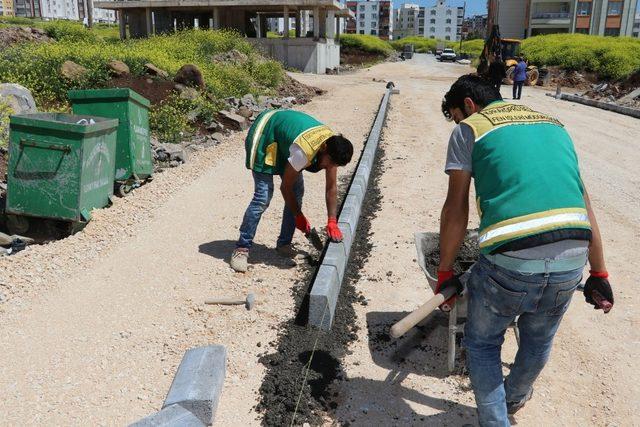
[64, 122]
[108, 94]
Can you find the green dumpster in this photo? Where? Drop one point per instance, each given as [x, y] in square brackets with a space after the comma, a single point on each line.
[58, 168]
[133, 149]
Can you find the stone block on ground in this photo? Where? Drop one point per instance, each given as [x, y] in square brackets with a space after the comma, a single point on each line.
[171, 416]
[198, 383]
[232, 120]
[118, 68]
[174, 152]
[324, 297]
[155, 71]
[190, 75]
[72, 71]
[18, 98]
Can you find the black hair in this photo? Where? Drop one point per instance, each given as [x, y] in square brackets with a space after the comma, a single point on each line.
[481, 91]
[339, 149]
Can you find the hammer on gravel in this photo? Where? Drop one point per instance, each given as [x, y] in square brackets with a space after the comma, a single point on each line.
[249, 302]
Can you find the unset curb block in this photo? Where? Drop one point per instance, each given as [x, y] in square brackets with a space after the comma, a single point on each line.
[171, 416]
[628, 111]
[198, 383]
[326, 285]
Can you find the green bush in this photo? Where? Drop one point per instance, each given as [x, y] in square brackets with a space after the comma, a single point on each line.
[16, 20]
[608, 57]
[366, 43]
[420, 44]
[473, 48]
[69, 31]
[36, 65]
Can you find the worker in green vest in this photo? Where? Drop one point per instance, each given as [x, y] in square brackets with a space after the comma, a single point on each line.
[537, 232]
[286, 142]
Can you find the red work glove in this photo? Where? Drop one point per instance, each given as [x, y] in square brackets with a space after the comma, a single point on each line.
[443, 276]
[333, 230]
[302, 224]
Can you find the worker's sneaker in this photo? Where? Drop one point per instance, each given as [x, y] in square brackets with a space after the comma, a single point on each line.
[287, 251]
[513, 407]
[239, 260]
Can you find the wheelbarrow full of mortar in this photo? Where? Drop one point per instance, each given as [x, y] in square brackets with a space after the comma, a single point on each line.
[427, 245]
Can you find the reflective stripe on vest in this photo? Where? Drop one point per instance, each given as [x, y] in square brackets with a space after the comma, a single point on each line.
[257, 133]
[534, 224]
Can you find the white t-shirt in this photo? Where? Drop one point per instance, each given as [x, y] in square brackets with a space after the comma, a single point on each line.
[297, 157]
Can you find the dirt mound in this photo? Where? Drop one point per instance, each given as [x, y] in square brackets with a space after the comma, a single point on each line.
[570, 78]
[12, 35]
[619, 92]
[155, 90]
[350, 56]
[302, 92]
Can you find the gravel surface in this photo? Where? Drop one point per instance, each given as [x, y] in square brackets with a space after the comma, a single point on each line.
[94, 326]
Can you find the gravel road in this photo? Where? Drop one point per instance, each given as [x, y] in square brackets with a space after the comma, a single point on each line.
[94, 326]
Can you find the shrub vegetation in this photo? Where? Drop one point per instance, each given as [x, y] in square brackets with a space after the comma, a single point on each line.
[36, 65]
[366, 43]
[608, 57]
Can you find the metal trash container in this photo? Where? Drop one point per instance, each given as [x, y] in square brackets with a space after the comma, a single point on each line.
[58, 168]
[134, 162]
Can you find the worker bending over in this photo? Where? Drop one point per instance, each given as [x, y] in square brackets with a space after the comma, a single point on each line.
[537, 230]
[286, 142]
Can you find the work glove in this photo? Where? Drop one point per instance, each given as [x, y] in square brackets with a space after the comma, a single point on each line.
[333, 230]
[597, 282]
[302, 224]
[446, 279]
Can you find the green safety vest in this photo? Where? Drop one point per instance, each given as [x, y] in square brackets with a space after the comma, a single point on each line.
[272, 134]
[526, 175]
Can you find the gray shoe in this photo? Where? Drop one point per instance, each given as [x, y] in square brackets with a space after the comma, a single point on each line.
[239, 260]
[513, 407]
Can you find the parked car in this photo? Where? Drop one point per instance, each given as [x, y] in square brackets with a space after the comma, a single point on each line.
[448, 55]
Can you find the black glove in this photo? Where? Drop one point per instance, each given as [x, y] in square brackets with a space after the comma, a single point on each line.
[599, 284]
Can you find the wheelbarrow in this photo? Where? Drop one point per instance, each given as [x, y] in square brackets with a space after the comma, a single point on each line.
[425, 244]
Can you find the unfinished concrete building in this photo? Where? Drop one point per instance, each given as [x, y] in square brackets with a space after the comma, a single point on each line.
[314, 48]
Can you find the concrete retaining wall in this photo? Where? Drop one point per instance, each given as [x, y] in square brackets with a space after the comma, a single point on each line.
[326, 286]
[604, 105]
[303, 54]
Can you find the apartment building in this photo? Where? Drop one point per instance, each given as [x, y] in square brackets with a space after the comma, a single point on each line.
[372, 17]
[443, 22]
[408, 20]
[437, 22]
[525, 18]
[6, 8]
[475, 26]
[636, 27]
[27, 8]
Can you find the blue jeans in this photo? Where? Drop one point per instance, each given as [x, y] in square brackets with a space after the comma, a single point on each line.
[496, 297]
[517, 89]
[262, 194]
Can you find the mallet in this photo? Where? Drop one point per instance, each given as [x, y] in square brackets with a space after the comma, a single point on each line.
[249, 302]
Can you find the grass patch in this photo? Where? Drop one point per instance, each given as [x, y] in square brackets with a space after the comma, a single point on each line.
[608, 57]
[36, 65]
[366, 43]
[472, 48]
